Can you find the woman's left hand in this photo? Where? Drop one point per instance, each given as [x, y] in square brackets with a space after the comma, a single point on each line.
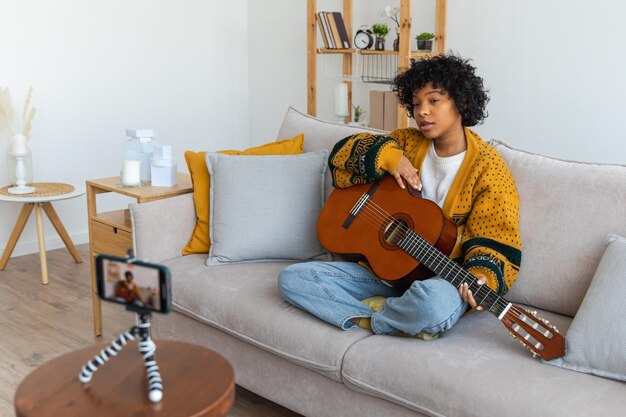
[467, 295]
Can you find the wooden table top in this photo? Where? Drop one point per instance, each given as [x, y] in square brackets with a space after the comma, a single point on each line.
[145, 192]
[29, 198]
[196, 382]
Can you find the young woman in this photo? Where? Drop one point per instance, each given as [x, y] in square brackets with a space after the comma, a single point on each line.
[453, 167]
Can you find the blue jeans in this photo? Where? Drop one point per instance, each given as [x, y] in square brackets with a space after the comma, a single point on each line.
[333, 292]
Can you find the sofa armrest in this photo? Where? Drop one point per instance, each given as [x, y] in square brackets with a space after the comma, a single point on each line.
[162, 228]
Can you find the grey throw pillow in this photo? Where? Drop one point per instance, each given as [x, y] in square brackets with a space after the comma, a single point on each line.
[265, 208]
[596, 340]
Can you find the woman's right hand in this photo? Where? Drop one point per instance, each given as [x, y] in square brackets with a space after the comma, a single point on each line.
[405, 170]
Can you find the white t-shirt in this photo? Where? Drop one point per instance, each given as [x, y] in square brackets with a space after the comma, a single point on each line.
[438, 174]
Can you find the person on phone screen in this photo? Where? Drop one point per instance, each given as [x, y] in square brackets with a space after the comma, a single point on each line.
[127, 291]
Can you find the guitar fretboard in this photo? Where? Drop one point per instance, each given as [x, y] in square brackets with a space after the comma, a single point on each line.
[440, 264]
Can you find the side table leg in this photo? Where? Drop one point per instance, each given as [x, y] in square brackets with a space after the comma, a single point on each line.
[42, 245]
[27, 208]
[56, 222]
[95, 300]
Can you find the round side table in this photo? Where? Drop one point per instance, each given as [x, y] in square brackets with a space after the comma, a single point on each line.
[196, 382]
[39, 203]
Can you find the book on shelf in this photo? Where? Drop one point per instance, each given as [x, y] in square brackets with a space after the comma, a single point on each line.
[320, 25]
[333, 29]
[329, 33]
[344, 39]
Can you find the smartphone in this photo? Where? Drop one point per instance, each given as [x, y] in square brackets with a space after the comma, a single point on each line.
[139, 285]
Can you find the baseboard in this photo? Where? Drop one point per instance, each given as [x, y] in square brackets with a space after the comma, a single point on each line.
[51, 243]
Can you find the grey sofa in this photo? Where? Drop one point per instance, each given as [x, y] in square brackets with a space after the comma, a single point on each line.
[475, 369]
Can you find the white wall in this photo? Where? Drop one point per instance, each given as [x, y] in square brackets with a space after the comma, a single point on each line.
[555, 89]
[98, 67]
[277, 63]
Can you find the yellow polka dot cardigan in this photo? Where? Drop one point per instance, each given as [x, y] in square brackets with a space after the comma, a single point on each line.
[482, 201]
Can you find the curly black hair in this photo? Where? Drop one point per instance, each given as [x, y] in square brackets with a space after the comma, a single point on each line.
[452, 73]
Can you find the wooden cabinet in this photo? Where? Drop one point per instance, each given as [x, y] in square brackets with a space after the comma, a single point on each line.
[111, 239]
[404, 50]
[111, 232]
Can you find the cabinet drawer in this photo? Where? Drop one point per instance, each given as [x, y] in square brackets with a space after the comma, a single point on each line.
[110, 240]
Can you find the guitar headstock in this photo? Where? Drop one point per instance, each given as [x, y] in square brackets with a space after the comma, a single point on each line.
[535, 333]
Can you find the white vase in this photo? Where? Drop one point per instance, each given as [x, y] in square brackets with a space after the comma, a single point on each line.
[28, 166]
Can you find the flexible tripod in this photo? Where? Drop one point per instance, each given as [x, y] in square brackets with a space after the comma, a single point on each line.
[146, 348]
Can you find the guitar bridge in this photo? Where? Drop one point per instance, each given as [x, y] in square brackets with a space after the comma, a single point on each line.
[362, 202]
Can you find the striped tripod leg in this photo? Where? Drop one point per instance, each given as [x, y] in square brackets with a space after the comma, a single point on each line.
[105, 354]
[147, 348]
[155, 383]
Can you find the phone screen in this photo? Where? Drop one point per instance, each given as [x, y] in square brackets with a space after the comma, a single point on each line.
[132, 284]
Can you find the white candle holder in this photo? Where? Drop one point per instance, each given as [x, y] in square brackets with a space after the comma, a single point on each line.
[20, 176]
[341, 102]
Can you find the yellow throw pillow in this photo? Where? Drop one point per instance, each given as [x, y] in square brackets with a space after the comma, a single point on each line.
[196, 163]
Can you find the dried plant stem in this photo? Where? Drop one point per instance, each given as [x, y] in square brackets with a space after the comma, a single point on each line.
[26, 104]
[27, 122]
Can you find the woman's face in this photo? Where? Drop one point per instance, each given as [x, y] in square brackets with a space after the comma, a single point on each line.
[436, 113]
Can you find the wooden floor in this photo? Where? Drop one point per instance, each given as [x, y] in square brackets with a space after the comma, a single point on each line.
[38, 323]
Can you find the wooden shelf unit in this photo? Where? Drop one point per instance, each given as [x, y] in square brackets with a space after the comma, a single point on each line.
[404, 50]
[111, 232]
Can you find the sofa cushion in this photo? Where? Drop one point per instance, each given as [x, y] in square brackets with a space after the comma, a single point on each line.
[152, 221]
[596, 340]
[567, 210]
[243, 300]
[318, 134]
[476, 369]
[265, 207]
[196, 164]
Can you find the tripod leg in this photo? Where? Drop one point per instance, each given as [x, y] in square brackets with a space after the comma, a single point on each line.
[105, 354]
[147, 348]
[155, 383]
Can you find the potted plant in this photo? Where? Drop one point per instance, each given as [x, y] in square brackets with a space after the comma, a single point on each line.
[425, 41]
[380, 30]
[358, 112]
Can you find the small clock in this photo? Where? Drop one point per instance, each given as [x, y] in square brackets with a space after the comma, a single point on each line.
[363, 39]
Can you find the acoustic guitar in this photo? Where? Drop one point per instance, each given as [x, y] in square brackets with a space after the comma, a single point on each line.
[404, 238]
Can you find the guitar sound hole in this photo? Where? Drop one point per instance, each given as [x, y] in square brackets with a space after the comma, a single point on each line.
[392, 232]
[395, 231]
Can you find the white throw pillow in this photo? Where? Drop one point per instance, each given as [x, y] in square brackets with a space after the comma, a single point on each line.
[596, 340]
[265, 208]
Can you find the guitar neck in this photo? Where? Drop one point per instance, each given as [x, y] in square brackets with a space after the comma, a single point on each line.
[431, 257]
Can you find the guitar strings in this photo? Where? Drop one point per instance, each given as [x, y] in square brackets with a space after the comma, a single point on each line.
[420, 242]
[481, 293]
[378, 214]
